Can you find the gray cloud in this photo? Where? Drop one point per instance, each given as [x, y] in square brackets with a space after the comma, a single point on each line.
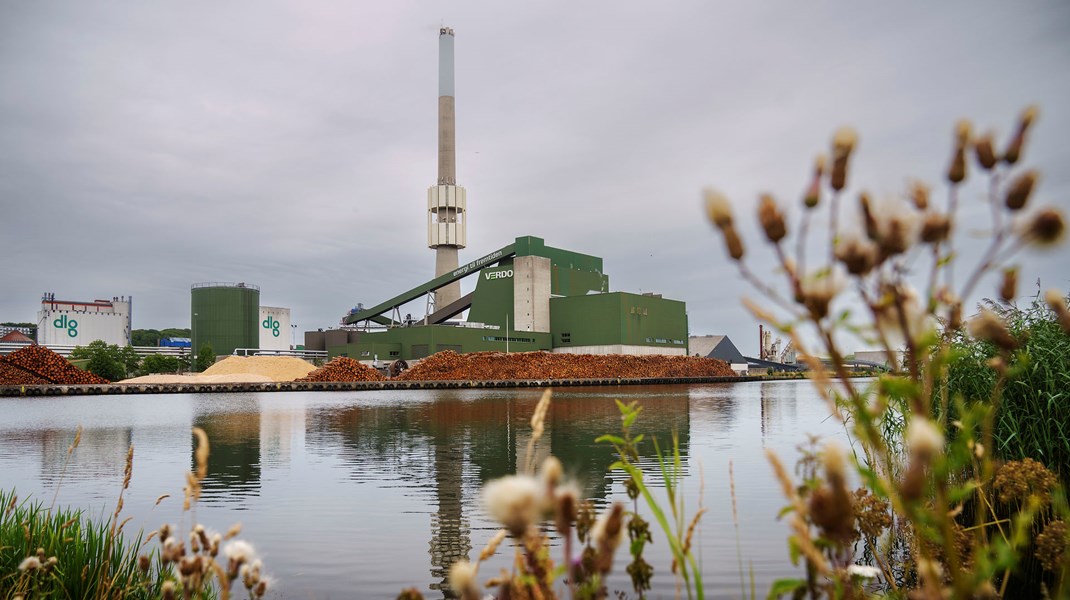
[147, 147]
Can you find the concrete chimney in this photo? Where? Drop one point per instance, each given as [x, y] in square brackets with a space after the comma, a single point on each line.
[446, 206]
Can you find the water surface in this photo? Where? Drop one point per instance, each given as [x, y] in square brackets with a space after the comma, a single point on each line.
[358, 494]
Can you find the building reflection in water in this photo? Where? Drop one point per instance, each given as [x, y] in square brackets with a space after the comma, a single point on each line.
[101, 454]
[452, 446]
[779, 406]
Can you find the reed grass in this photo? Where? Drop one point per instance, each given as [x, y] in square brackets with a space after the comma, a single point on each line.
[89, 560]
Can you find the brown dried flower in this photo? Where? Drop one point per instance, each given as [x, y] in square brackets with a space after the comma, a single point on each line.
[771, 218]
[986, 156]
[1018, 480]
[1046, 228]
[843, 142]
[989, 327]
[871, 513]
[1014, 148]
[919, 194]
[858, 255]
[1008, 288]
[1019, 190]
[1051, 546]
[733, 243]
[813, 193]
[1057, 303]
[935, 228]
[956, 172]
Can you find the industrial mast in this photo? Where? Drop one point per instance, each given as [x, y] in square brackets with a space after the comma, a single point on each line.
[446, 206]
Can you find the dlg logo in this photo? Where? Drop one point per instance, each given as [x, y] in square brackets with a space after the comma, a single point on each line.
[69, 324]
[273, 325]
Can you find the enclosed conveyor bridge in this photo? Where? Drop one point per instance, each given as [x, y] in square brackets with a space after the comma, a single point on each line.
[378, 313]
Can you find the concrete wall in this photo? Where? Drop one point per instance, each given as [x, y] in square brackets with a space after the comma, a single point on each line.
[531, 294]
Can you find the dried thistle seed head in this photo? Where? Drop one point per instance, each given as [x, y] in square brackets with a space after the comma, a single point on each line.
[857, 255]
[463, 579]
[956, 171]
[989, 327]
[566, 501]
[1046, 227]
[919, 194]
[30, 563]
[1014, 147]
[1019, 190]
[771, 218]
[1058, 305]
[868, 219]
[962, 132]
[552, 472]
[514, 501]
[143, 563]
[986, 156]
[813, 193]
[843, 142]
[924, 438]
[733, 243]
[1008, 288]
[935, 228]
[718, 208]
[239, 551]
[820, 289]
[168, 590]
[606, 534]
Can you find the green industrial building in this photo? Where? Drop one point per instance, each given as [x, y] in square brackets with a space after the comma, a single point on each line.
[528, 296]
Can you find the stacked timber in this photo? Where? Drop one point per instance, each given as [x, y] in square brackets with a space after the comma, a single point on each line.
[39, 363]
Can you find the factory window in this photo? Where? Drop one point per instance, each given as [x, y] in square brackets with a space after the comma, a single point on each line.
[678, 342]
[566, 338]
[661, 341]
[650, 340]
[394, 353]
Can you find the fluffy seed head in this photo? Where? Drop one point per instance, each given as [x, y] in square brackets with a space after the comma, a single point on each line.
[514, 501]
[30, 563]
[924, 439]
[820, 289]
[463, 579]
[239, 551]
[863, 571]
[718, 208]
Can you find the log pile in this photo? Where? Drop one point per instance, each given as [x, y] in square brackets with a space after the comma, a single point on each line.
[39, 363]
[493, 366]
[343, 369]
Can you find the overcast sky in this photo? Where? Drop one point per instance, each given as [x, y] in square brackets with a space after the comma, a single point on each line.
[146, 146]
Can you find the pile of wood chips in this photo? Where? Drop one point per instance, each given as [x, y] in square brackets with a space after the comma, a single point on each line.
[343, 368]
[493, 366]
[37, 365]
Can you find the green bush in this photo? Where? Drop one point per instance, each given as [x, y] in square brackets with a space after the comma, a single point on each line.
[159, 363]
[111, 362]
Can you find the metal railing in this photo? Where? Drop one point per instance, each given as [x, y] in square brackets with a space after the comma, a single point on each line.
[306, 354]
[8, 348]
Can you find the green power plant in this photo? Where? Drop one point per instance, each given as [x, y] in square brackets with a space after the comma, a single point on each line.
[528, 296]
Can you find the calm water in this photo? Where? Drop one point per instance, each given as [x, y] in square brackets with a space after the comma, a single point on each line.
[358, 494]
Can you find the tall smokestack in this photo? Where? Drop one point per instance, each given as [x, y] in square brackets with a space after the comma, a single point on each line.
[446, 205]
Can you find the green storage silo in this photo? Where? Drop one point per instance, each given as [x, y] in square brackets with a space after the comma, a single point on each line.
[225, 316]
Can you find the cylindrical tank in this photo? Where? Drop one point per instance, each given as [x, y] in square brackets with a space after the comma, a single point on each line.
[225, 315]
